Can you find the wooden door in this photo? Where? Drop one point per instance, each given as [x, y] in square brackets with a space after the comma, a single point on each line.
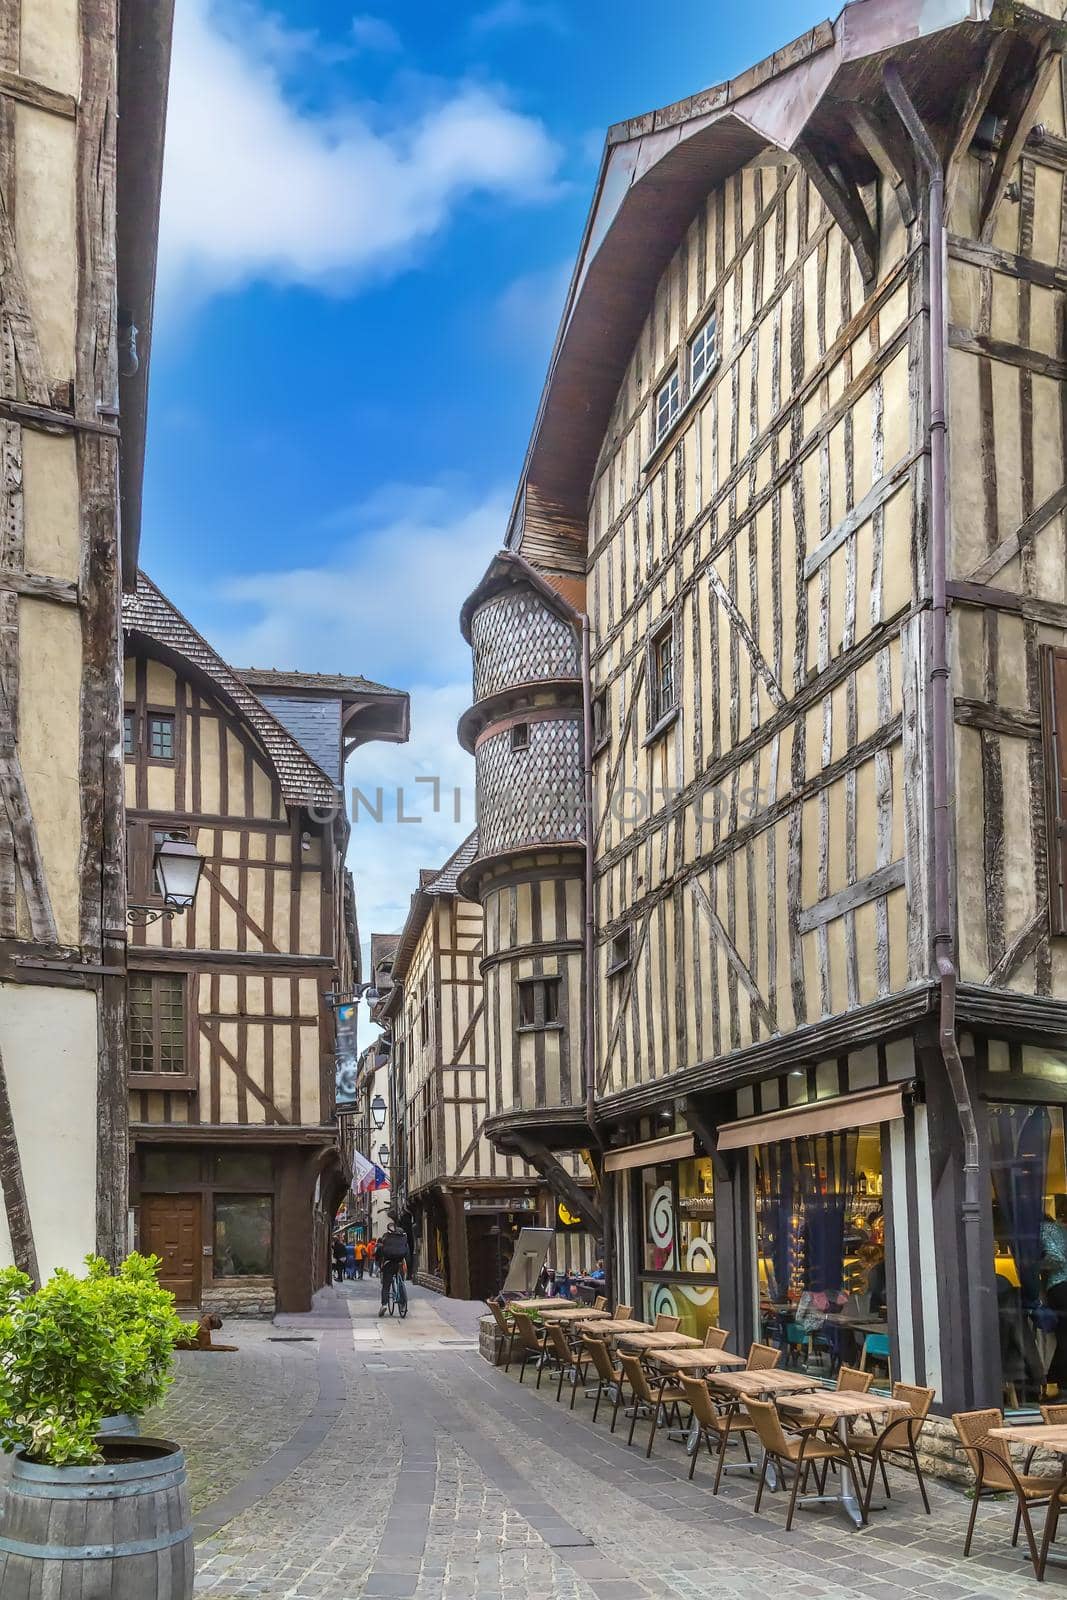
[170, 1228]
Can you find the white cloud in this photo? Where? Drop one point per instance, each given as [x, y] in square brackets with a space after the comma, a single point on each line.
[374, 33]
[387, 601]
[528, 312]
[387, 605]
[506, 14]
[258, 187]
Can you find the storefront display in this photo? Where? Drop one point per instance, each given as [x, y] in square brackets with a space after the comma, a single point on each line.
[677, 1268]
[1027, 1169]
[821, 1249]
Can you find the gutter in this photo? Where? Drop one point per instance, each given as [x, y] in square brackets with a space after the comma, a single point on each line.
[940, 689]
[589, 936]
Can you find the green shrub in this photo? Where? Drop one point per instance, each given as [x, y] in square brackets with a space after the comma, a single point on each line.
[78, 1350]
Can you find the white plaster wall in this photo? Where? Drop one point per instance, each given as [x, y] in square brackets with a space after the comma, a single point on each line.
[48, 1043]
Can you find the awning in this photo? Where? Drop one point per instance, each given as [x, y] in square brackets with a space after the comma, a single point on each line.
[675, 1147]
[816, 1116]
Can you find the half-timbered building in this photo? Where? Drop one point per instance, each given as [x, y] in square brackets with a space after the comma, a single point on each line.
[769, 699]
[82, 103]
[468, 1200]
[236, 1168]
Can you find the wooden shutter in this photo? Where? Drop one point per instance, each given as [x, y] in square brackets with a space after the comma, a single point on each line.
[1054, 730]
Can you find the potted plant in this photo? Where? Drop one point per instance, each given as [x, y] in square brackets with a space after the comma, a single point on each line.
[72, 1353]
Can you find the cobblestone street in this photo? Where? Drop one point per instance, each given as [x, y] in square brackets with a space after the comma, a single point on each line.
[336, 1456]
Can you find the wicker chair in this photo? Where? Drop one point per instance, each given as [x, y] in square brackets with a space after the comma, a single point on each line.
[505, 1327]
[762, 1356]
[645, 1401]
[716, 1339]
[714, 1424]
[623, 1313]
[570, 1360]
[994, 1474]
[600, 1303]
[666, 1324]
[896, 1441]
[1051, 1416]
[796, 1453]
[609, 1377]
[531, 1345]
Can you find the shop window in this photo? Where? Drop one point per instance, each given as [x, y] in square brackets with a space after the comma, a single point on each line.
[1027, 1167]
[821, 1247]
[244, 1166]
[244, 1236]
[677, 1266]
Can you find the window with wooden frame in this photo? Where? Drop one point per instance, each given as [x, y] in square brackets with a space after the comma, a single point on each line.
[663, 695]
[160, 736]
[157, 1029]
[129, 745]
[1054, 741]
[619, 957]
[668, 404]
[703, 354]
[539, 1003]
[520, 735]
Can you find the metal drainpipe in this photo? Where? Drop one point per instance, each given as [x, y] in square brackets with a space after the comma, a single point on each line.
[940, 689]
[589, 943]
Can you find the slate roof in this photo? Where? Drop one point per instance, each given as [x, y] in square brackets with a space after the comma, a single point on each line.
[276, 678]
[314, 723]
[147, 611]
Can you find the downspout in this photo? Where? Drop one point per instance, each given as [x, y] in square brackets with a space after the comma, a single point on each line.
[607, 1197]
[940, 689]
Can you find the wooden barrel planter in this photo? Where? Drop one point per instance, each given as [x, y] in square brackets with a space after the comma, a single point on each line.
[119, 1531]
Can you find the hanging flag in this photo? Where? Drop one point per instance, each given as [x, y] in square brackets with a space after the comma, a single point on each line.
[367, 1176]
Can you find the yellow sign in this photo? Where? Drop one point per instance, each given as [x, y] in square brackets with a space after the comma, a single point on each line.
[566, 1217]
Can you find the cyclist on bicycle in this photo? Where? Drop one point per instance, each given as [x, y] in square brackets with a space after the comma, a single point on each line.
[394, 1256]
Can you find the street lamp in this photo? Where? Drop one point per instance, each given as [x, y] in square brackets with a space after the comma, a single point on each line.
[377, 1111]
[177, 865]
[383, 1156]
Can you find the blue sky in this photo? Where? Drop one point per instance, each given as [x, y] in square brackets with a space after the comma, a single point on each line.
[369, 217]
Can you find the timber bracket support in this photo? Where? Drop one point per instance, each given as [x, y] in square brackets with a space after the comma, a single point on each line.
[578, 1200]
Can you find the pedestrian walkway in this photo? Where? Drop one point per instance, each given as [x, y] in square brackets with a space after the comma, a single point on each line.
[341, 1455]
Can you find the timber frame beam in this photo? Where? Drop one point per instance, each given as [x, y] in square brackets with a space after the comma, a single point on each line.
[845, 203]
[1023, 104]
[579, 1200]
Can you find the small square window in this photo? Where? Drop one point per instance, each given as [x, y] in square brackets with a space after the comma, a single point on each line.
[161, 738]
[703, 354]
[127, 734]
[539, 1003]
[620, 952]
[520, 736]
[668, 401]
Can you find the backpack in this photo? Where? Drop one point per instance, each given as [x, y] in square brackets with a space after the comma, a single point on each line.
[393, 1246]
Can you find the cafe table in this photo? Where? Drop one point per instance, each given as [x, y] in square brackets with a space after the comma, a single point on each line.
[759, 1383]
[844, 1406]
[643, 1343]
[699, 1360]
[1051, 1437]
[570, 1313]
[610, 1327]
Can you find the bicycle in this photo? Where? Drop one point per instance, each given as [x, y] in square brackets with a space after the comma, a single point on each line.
[398, 1296]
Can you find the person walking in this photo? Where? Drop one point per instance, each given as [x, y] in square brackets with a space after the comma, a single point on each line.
[370, 1254]
[350, 1259]
[340, 1256]
[361, 1256]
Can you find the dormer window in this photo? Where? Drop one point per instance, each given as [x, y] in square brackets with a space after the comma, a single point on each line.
[668, 404]
[703, 354]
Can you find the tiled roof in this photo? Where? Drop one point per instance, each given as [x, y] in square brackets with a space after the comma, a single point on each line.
[445, 881]
[431, 884]
[147, 611]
